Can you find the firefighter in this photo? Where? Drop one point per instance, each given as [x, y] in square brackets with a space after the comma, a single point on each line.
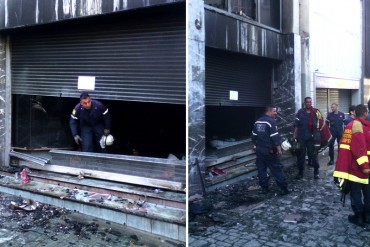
[303, 132]
[266, 138]
[89, 121]
[335, 121]
[353, 165]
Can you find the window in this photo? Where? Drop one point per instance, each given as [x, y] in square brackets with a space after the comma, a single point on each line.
[270, 13]
[266, 12]
[221, 4]
[246, 8]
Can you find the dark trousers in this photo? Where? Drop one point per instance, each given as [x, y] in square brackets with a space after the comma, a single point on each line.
[90, 138]
[331, 145]
[360, 197]
[276, 168]
[307, 146]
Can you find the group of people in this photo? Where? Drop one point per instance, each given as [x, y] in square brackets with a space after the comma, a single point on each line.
[352, 135]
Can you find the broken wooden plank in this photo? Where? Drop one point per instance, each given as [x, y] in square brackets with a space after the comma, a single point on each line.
[230, 164]
[220, 160]
[156, 183]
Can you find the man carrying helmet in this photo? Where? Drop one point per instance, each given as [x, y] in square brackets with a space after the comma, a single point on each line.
[266, 138]
[89, 121]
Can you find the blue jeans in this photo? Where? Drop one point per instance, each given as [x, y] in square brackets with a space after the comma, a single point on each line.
[331, 145]
[273, 163]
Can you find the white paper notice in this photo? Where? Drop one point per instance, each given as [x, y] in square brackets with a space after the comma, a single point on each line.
[86, 82]
[233, 95]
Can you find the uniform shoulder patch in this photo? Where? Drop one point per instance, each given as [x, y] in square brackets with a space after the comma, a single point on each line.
[357, 127]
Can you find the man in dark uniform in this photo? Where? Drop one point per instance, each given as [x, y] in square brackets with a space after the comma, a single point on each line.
[351, 115]
[266, 138]
[335, 121]
[91, 119]
[303, 132]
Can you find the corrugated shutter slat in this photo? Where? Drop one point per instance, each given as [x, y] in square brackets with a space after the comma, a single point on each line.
[226, 71]
[135, 61]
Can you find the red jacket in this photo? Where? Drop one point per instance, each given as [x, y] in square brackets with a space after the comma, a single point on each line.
[353, 150]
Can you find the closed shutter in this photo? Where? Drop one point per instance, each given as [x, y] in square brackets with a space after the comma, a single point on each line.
[249, 76]
[141, 59]
[325, 97]
[322, 101]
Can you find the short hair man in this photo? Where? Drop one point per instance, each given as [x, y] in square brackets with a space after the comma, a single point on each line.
[353, 165]
[90, 119]
[303, 132]
[335, 121]
[266, 138]
[351, 115]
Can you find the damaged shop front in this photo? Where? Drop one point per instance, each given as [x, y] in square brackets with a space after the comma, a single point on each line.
[248, 63]
[129, 56]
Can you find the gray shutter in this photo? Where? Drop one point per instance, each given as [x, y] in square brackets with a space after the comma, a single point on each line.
[342, 97]
[322, 101]
[250, 76]
[141, 59]
[325, 97]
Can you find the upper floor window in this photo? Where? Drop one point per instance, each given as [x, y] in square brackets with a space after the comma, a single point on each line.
[266, 12]
[221, 4]
[270, 13]
[246, 8]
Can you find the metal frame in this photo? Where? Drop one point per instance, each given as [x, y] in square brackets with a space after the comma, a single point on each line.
[255, 22]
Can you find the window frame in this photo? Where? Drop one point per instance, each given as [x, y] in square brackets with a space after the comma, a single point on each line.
[256, 22]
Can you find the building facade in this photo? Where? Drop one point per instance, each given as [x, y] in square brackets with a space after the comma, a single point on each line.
[332, 44]
[131, 55]
[244, 55]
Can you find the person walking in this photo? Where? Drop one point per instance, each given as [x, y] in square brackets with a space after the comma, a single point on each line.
[267, 141]
[335, 121]
[304, 127]
[89, 121]
[353, 165]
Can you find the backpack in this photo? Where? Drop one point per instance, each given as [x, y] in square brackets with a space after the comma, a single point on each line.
[344, 186]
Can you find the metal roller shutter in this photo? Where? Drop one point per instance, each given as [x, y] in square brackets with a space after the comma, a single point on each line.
[342, 97]
[132, 60]
[322, 101]
[250, 76]
[325, 97]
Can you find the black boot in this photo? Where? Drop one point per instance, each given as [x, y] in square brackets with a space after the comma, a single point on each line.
[366, 217]
[356, 219]
[265, 190]
[285, 191]
[299, 175]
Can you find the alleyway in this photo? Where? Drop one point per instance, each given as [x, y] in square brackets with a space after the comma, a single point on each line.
[247, 218]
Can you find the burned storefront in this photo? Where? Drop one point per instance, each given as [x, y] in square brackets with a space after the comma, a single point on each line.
[248, 64]
[133, 56]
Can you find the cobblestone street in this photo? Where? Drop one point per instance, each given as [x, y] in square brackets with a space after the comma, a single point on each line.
[323, 223]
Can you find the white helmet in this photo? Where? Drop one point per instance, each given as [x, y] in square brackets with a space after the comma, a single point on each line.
[286, 145]
[106, 141]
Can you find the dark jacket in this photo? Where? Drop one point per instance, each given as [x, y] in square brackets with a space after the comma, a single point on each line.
[265, 135]
[335, 123]
[97, 115]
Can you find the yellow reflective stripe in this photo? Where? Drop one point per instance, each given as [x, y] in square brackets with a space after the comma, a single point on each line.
[362, 160]
[345, 146]
[350, 177]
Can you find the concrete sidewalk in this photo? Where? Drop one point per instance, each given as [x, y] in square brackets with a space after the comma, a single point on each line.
[323, 223]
